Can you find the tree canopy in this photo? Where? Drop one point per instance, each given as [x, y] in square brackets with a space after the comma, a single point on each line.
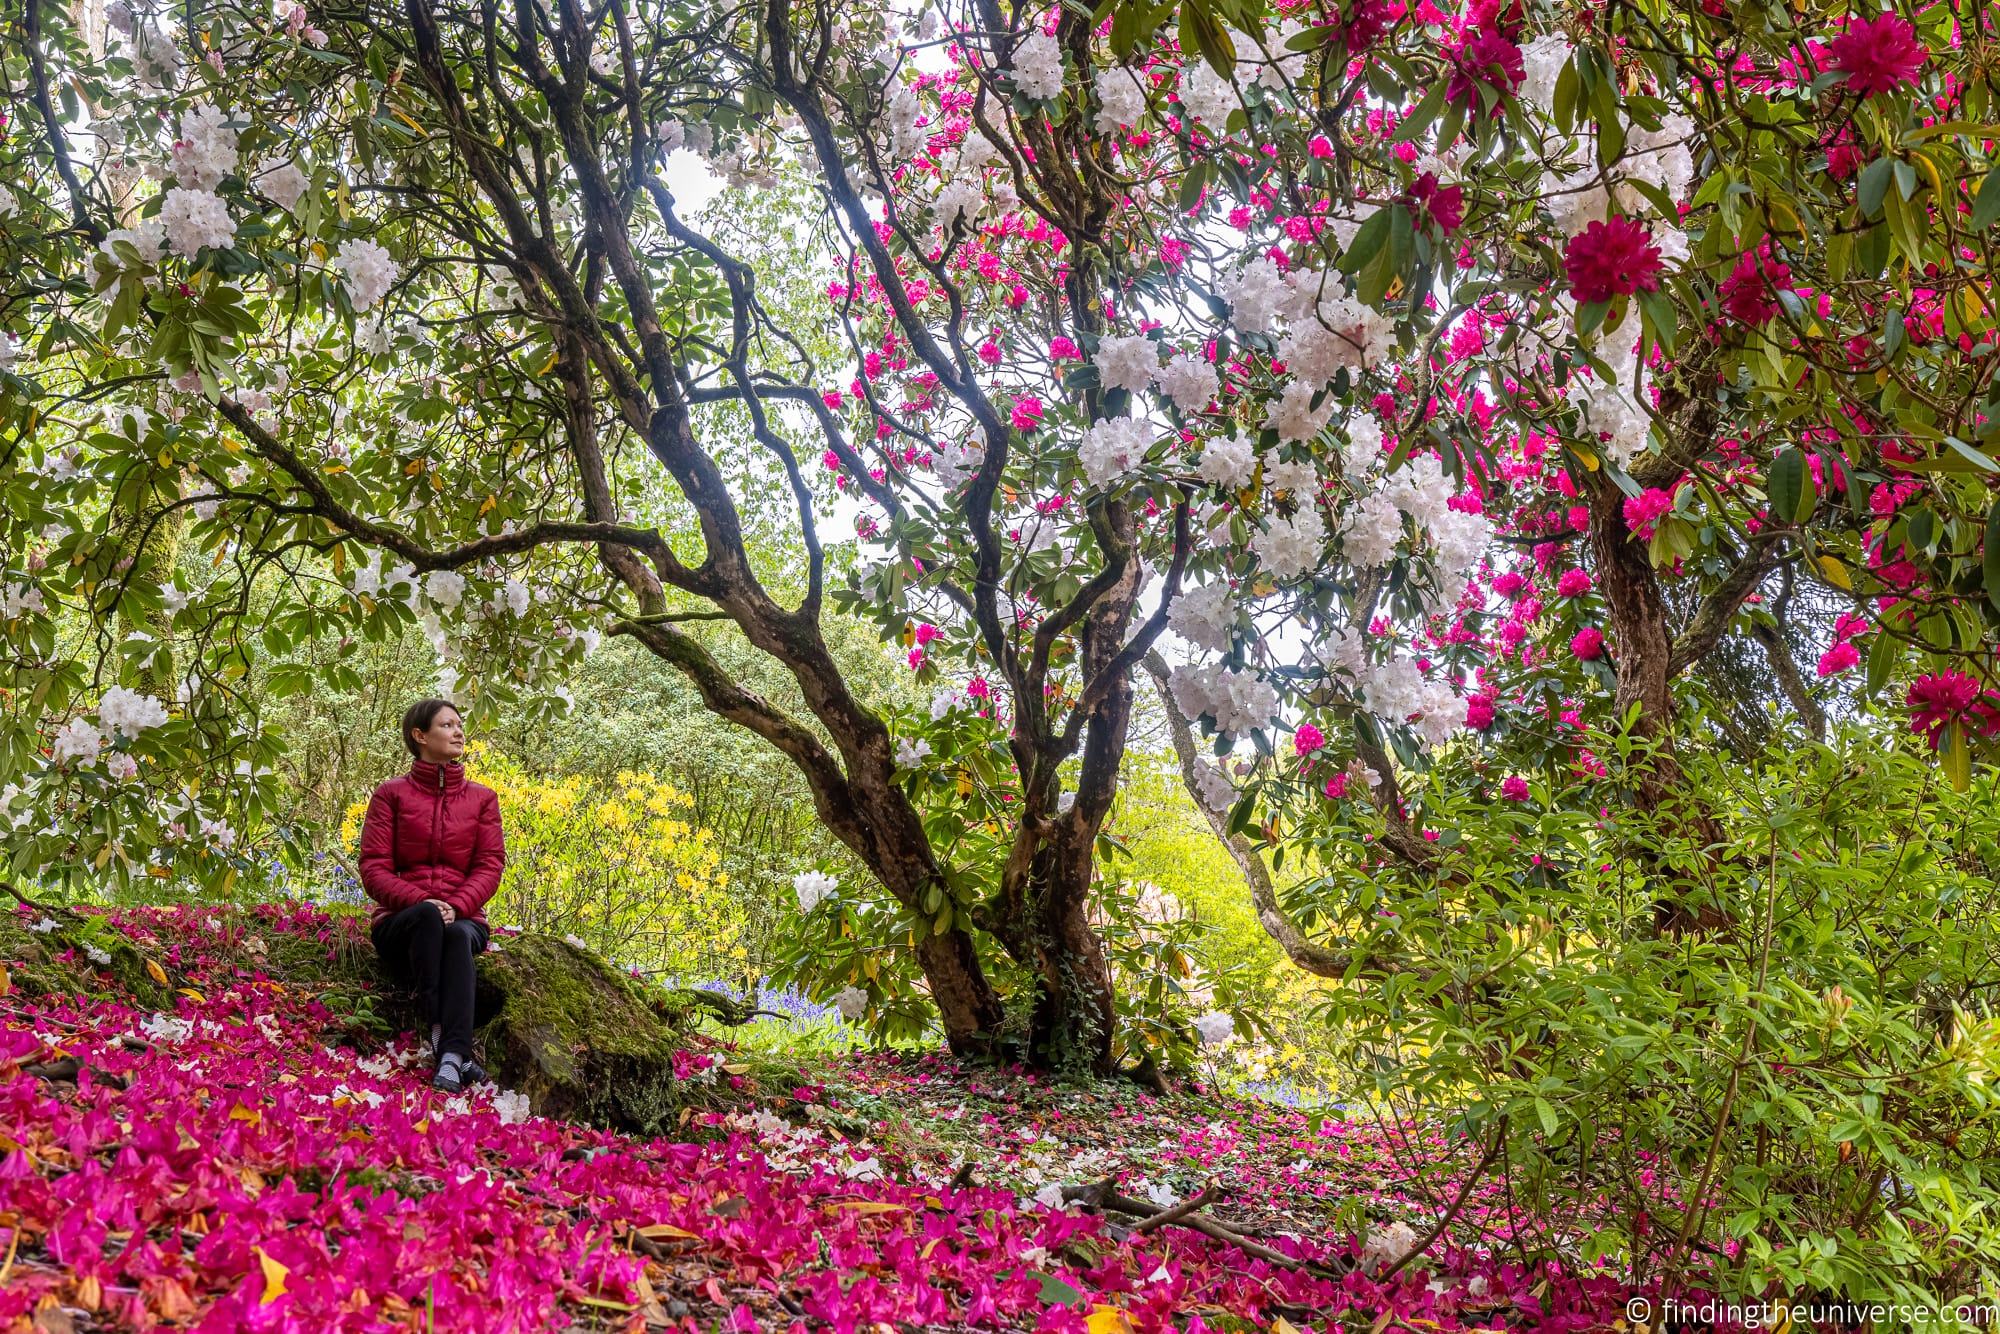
[1422, 380]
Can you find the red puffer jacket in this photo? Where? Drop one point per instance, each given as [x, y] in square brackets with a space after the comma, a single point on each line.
[432, 834]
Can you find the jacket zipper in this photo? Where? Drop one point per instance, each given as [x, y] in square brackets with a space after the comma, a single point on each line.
[437, 816]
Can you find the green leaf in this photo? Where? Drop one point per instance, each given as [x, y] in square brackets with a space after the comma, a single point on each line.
[1903, 222]
[1370, 241]
[1201, 31]
[1956, 757]
[1986, 204]
[1426, 111]
[1791, 491]
[1547, 1112]
[1881, 658]
[1191, 186]
[1874, 184]
[1990, 563]
[1983, 460]
[1567, 88]
[1055, 1292]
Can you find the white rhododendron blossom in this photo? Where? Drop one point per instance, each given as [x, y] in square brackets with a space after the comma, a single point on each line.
[1228, 462]
[959, 201]
[1364, 446]
[368, 270]
[445, 587]
[1203, 615]
[1239, 702]
[1038, 67]
[911, 752]
[1257, 294]
[1294, 417]
[1290, 547]
[1206, 95]
[148, 237]
[1387, 1243]
[852, 1002]
[1293, 477]
[1398, 691]
[1127, 361]
[126, 713]
[813, 888]
[195, 220]
[1121, 99]
[1614, 409]
[206, 149]
[284, 181]
[1542, 61]
[1215, 1028]
[1214, 788]
[1189, 382]
[1111, 449]
[78, 741]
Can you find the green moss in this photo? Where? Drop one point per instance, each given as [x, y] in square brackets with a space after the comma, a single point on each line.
[34, 965]
[582, 1040]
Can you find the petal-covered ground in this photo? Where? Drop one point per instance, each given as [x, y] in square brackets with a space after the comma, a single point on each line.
[240, 1162]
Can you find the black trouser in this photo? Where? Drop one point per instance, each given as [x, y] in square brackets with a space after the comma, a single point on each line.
[437, 960]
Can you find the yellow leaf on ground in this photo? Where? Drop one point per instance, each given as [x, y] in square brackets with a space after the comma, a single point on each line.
[275, 1275]
[1283, 1326]
[194, 995]
[241, 1113]
[870, 1206]
[1108, 1320]
[157, 973]
[667, 1232]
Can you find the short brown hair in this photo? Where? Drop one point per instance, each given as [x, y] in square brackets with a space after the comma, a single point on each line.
[419, 717]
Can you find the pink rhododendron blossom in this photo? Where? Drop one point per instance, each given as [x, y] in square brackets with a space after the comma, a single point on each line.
[1839, 658]
[1573, 583]
[1942, 700]
[1878, 55]
[1643, 512]
[1609, 259]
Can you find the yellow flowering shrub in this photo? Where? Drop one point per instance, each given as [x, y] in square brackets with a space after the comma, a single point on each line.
[618, 866]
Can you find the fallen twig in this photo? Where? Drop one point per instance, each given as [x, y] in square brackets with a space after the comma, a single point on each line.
[1101, 1196]
[1206, 1195]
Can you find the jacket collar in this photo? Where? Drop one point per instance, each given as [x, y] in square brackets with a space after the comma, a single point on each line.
[437, 777]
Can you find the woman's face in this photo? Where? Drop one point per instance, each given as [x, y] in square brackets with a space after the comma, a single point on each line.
[446, 738]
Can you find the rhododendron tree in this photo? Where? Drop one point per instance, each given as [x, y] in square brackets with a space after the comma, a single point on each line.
[1290, 333]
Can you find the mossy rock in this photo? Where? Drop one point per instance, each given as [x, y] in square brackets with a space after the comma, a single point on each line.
[34, 964]
[582, 1040]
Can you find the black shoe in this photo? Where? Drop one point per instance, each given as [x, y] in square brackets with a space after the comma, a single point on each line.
[472, 1072]
[451, 1074]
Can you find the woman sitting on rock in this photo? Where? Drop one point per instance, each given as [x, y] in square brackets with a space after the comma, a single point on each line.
[431, 856]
